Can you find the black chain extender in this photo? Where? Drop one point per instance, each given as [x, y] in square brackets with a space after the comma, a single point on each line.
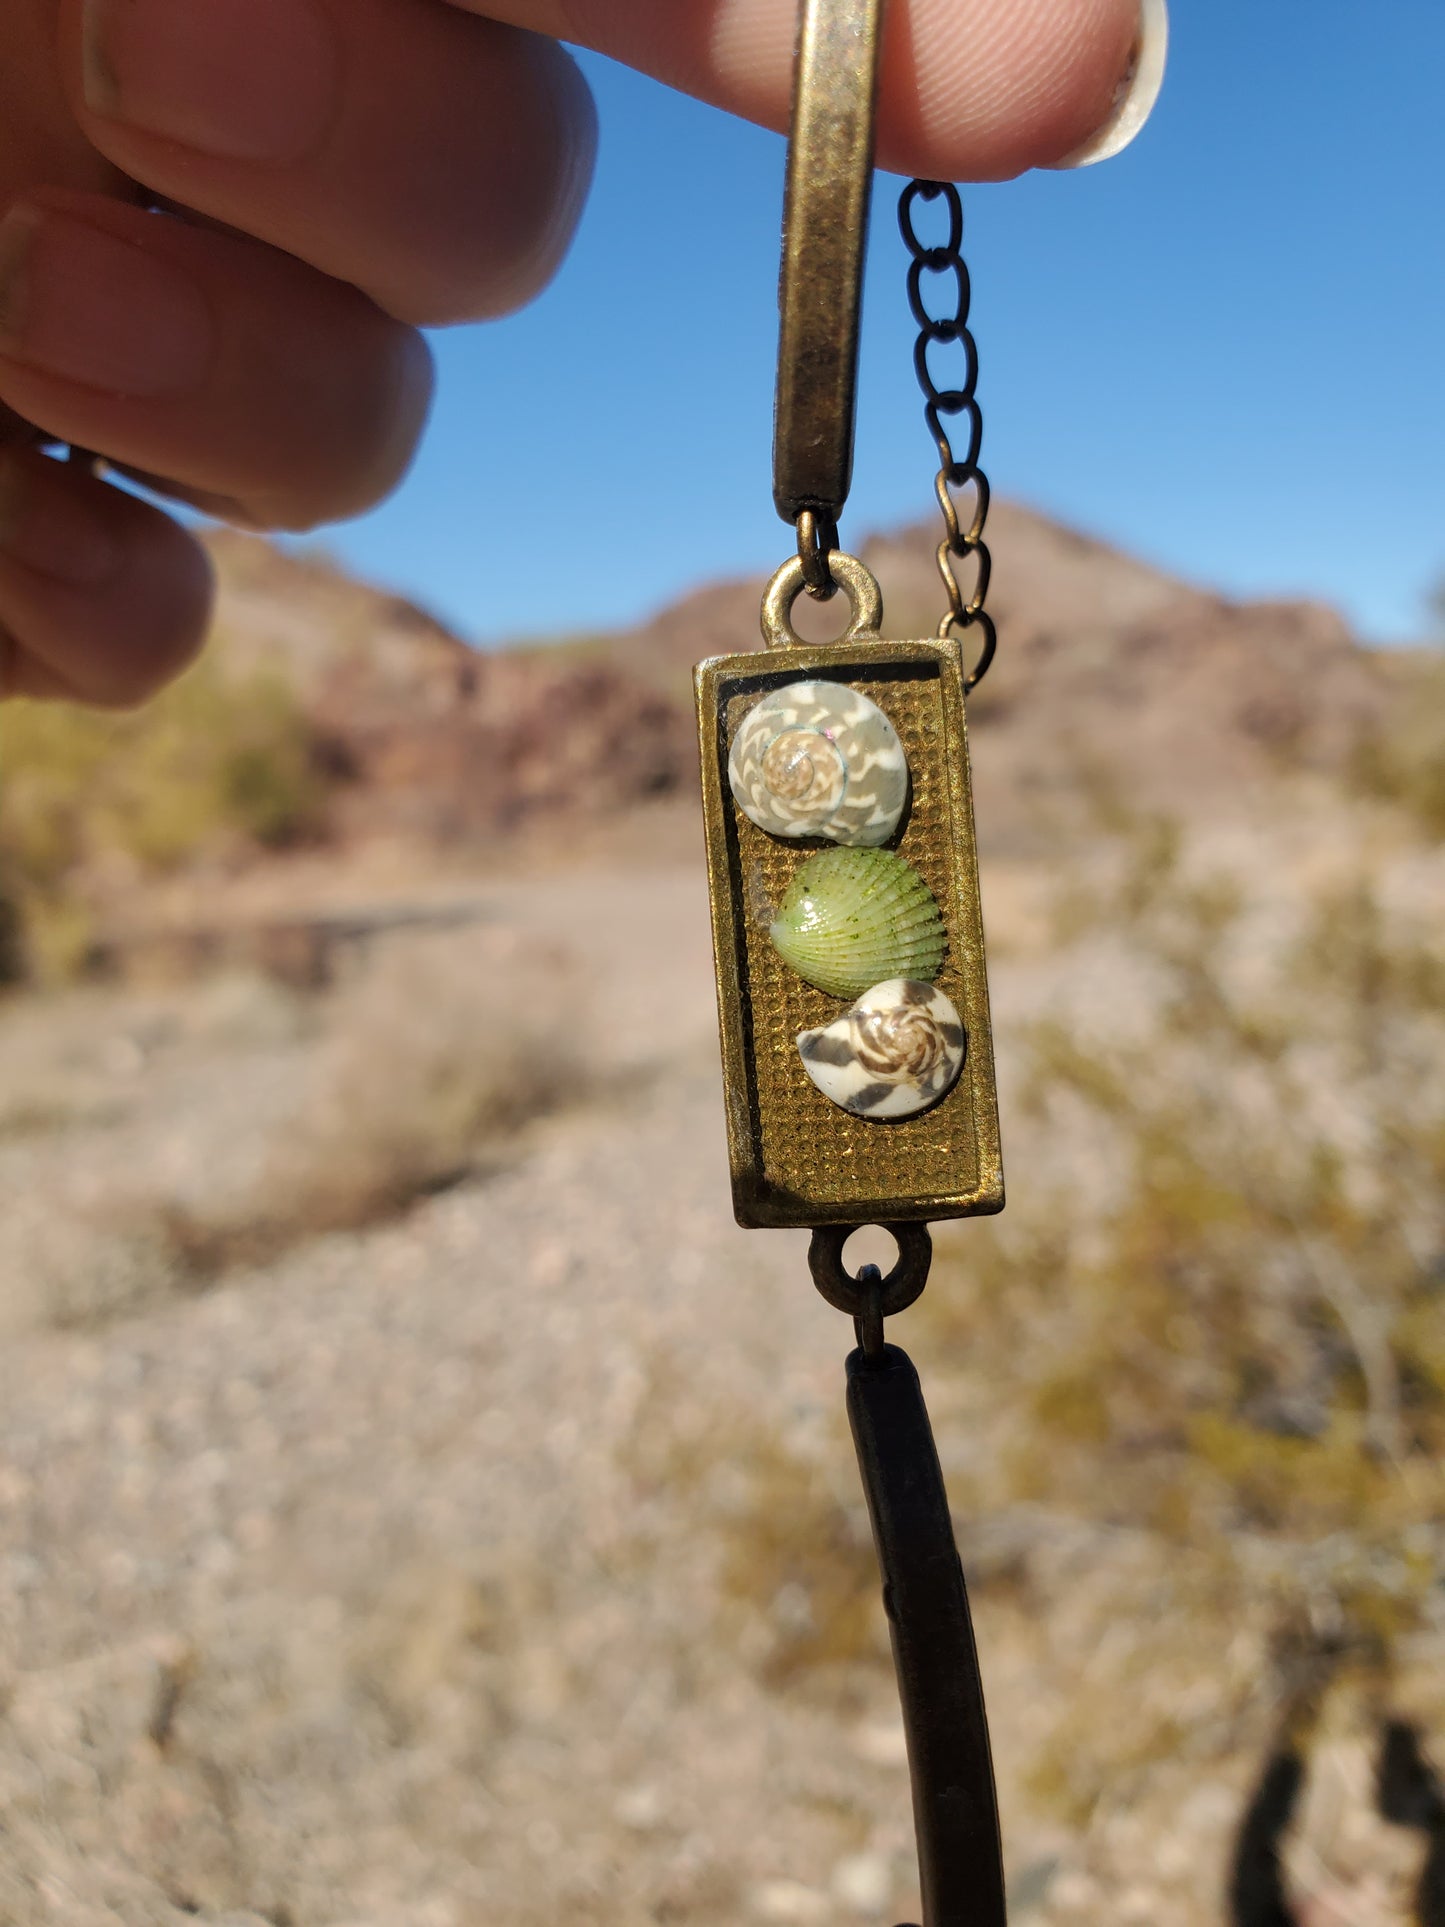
[957, 473]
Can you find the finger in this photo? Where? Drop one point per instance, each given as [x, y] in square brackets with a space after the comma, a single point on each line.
[102, 597]
[970, 89]
[434, 159]
[197, 355]
[41, 140]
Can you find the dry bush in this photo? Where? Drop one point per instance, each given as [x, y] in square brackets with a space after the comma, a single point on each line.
[433, 1063]
[1400, 760]
[1264, 1300]
[218, 764]
[1224, 1325]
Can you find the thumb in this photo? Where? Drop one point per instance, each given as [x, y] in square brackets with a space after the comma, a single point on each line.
[970, 89]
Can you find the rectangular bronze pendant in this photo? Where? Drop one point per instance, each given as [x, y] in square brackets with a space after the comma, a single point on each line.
[798, 1158]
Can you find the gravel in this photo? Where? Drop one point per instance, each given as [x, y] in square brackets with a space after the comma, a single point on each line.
[382, 1588]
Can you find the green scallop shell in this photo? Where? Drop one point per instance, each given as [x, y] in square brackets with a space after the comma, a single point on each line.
[853, 917]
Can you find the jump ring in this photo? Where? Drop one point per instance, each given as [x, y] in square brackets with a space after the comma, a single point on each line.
[817, 539]
[864, 596]
[857, 1296]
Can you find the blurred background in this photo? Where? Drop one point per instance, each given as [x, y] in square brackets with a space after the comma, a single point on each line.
[420, 1505]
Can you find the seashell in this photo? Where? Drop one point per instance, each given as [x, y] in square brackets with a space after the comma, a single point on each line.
[820, 759]
[898, 1050]
[850, 918]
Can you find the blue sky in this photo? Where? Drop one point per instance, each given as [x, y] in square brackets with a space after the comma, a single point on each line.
[1222, 350]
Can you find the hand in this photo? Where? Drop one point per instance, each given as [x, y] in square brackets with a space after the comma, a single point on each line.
[333, 174]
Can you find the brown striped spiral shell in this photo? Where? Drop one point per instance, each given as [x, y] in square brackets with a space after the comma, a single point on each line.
[902, 1041]
[896, 1052]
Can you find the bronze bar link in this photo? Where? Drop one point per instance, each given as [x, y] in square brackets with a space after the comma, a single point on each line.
[825, 234]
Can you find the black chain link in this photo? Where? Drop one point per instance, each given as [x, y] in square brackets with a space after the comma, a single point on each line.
[939, 260]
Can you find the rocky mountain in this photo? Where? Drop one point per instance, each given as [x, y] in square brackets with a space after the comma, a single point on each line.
[338, 748]
[1107, 668]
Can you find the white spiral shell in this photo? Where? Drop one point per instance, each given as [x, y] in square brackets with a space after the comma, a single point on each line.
[820, 759]
[898, 1050]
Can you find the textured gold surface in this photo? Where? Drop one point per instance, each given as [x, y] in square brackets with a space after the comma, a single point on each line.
[798, 1159]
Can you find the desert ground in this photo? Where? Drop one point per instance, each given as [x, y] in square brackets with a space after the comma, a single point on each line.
[421, 1505]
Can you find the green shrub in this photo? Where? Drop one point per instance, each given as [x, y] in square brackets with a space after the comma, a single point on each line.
[218, 765]
[1402, 759]
[1220, 1331]
[1239, 1329]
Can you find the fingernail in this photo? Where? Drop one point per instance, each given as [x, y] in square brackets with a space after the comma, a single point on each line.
[1136, 93]
[50, 527]
[77, 302]
[244, 80]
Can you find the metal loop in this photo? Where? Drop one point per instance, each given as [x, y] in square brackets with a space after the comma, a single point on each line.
[948, 508]
[963, 390]
[945, 264]
[817, 539]
[865, 599]
[960, 608]
[928, 191]
[868, 1325]
[862, 1297]
[982, 620]
[958, 468]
